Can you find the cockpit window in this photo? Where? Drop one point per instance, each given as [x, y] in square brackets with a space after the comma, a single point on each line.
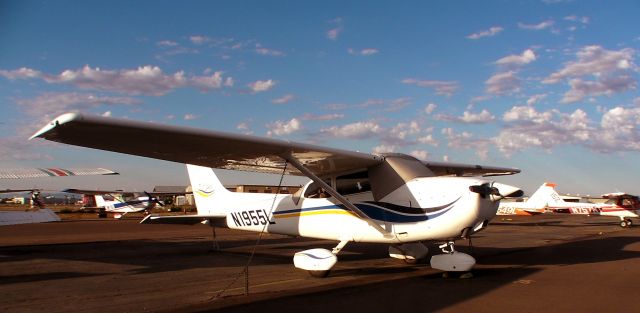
[315, 191]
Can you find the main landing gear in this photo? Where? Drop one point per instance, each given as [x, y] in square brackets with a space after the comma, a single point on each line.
[626, 222]
[318, 262]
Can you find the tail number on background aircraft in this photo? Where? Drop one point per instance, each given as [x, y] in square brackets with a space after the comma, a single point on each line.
[251, 218]
[584, 210]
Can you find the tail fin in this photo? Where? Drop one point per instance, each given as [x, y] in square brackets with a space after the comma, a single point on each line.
[208, 191]
[99, 201]
[545, 195]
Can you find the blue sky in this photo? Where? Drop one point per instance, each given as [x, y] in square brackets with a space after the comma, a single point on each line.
[546, 86]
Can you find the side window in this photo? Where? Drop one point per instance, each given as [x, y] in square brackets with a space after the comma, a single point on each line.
[353, 183]
[315, 191]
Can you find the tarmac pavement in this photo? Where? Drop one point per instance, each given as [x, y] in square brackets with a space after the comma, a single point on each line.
[550, 263]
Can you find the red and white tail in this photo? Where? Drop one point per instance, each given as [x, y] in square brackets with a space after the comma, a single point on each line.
[545, 196]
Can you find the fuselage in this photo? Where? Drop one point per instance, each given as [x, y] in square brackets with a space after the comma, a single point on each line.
[614, 208]
[129, 206]
[426, 208]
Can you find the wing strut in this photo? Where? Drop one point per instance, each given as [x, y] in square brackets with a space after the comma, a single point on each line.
[291, 159]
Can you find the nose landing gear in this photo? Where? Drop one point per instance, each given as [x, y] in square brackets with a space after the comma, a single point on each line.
[452, 260]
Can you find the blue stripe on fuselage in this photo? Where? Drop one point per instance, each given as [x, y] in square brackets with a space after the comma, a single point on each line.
[376, 212]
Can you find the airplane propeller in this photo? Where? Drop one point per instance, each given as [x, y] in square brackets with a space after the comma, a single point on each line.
[496, 191]
[153, 201]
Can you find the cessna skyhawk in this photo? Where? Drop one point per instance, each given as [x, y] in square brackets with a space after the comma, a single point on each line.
[393, 199]
[122, 202]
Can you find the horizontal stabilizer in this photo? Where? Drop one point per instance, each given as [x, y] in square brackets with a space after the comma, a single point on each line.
[183, 219]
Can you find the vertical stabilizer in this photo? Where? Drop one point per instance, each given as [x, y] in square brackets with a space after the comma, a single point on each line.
[100, 201]
[545, 195]
[208, 191]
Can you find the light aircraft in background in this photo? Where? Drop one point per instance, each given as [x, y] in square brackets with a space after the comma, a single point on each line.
[621, 205]
[392, 199]
[41, 214]
[536, 204]
[16, 173]
[123, 202]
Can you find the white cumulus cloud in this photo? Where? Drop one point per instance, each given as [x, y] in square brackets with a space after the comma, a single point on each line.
[486, 33]
[526, 57]
[145, 80]
[446, 88]
[596, 71]
[261, 85]
[280, 128]
[540, 26]
[284, 99]
[357, 130]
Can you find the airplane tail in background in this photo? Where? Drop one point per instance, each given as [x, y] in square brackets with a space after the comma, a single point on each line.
[545, 196]
[208, 191]
[99, 201]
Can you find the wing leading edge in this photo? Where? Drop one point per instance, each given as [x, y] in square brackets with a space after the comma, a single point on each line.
[52, 172]
[223, 150]
[200, 147]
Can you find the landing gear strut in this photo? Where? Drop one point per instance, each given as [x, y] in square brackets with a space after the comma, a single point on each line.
[452, 260]
[626, 222]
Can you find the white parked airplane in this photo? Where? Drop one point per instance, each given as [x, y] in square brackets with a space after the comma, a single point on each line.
[536, 204]
[393, 199]
[124, 202]
[41, 214]
[619, 204]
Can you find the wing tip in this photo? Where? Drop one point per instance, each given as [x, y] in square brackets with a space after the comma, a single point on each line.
[61, 119]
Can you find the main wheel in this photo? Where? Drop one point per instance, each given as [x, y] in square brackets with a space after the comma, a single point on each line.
[623, 223]
[629, 222]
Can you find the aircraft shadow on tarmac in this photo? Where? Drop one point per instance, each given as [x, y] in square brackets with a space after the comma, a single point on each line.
[429, 292]
[25, 278]
[150, 256]
[425, 293]
[591, 250]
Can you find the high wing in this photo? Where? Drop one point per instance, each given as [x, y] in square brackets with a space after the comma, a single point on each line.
[17, 190]
[184, 219]
[615, 195]
[105, 192]
[50, 172]
[94, 192]
[223, 150]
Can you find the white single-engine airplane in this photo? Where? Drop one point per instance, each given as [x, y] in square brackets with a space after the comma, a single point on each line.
[618, 204]
[41, 214]
[123, 202]
[394, 199]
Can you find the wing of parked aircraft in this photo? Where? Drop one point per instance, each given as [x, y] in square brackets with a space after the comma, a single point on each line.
[51, 172]
[224, 150]
[107, 192]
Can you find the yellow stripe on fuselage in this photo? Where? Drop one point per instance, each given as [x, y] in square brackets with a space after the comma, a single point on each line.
[298, 214]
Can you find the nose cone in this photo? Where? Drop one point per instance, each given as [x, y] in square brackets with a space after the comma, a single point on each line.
[506, 191]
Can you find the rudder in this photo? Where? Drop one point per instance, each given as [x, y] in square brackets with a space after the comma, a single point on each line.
[208, 190]
[545, 195]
